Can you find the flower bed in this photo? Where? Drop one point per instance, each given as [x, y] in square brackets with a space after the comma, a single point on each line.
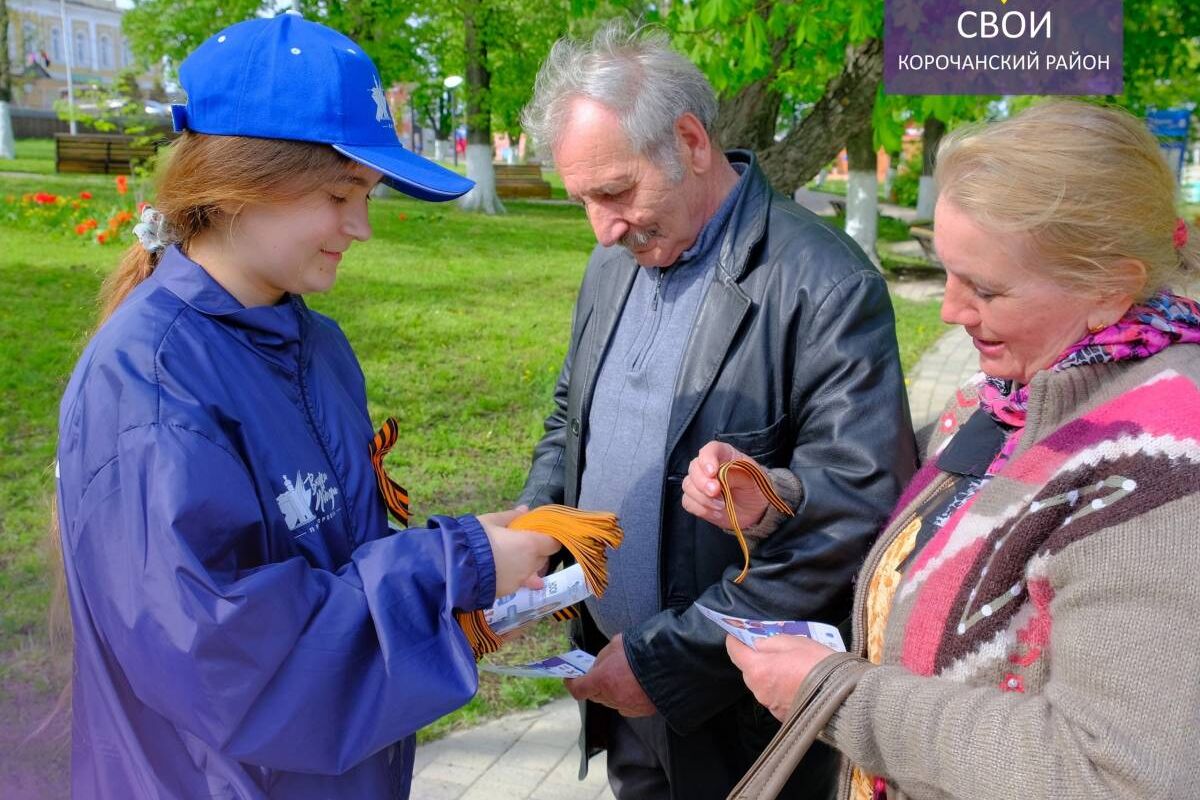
[73, 215]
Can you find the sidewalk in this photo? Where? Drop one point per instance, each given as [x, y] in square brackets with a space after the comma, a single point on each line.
[534, 754]
[940, 370]
[530, 754]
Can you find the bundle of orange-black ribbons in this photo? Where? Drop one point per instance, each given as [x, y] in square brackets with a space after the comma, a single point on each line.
[585, 535]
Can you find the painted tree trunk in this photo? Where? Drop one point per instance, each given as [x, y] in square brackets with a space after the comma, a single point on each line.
[862, 199]
[479, 169]
[479, 115]
[7, 145]
[931, 138]
[889, 178]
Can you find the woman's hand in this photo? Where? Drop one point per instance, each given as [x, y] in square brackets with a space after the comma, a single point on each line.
[776, 669]
[702, 492]
[520, 556]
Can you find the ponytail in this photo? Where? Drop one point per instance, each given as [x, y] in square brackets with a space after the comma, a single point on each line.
[135, 267]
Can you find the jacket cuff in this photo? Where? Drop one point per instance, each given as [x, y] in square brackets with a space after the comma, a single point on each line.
[680, 663]
[789, 488]
[485, 564]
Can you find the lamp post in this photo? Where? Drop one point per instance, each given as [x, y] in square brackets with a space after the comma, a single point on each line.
[451, 83]
[62, 11]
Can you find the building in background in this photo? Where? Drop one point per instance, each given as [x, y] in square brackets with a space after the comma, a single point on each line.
[98, 49]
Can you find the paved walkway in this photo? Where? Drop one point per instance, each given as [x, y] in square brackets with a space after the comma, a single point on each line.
[942, 369]
[533, 754]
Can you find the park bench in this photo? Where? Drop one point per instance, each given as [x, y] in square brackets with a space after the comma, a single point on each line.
[521, 180]
[100, 153]
[924, 237]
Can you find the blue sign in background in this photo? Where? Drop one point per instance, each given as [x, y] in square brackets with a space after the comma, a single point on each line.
[1170, 125]
[1003, 47]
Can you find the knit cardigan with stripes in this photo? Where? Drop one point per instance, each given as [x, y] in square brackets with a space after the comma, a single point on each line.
[1046, 642]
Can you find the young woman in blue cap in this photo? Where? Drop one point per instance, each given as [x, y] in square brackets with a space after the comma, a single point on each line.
[246, 625]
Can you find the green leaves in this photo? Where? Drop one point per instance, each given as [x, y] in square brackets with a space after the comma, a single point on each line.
[170, 29]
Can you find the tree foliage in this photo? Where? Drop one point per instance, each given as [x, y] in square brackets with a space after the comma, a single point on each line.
[158, 29]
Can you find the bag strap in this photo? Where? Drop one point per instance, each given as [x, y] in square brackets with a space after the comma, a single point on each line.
[819, 697]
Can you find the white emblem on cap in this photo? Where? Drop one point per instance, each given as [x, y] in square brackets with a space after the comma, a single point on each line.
[381, 107]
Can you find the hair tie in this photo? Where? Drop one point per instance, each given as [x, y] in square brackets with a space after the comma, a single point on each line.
[1181, 233]
[152, 231]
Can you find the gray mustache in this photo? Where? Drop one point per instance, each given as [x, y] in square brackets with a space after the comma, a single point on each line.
[637, 238]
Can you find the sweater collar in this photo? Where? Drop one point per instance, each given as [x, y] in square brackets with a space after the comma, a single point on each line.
[710, 235]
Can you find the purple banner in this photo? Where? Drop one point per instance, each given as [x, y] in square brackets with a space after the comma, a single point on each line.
[1003, 47]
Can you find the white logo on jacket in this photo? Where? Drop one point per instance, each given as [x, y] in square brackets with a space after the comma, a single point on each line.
[306, 497]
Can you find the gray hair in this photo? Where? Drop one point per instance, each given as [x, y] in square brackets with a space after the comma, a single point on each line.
[637, 75]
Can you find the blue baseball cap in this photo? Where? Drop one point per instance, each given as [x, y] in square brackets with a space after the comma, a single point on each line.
[288, 78]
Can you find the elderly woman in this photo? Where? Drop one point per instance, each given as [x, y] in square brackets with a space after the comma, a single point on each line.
[1026, 624]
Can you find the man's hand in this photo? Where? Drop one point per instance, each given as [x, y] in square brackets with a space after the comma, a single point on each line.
[611, 682]
[702, 492]
[776, 669]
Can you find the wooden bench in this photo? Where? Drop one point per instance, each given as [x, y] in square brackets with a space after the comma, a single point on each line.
[924, 237]
[100, 153]
[521, 180]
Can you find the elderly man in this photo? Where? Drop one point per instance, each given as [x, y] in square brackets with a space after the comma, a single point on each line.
[712, 308]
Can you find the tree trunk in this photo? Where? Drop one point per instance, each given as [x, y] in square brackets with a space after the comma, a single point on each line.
[8, 149]
[844, 108]
[7, 146]
[889, 179]
[479, 115]
[935, 129]
[747, 119]
[862, 199]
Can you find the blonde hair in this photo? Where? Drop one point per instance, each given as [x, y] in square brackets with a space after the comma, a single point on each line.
[1085, 184]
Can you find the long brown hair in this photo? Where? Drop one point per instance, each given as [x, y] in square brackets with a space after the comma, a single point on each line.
[201, 179]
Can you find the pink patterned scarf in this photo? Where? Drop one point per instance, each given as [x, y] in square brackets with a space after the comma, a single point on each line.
[1163, 320]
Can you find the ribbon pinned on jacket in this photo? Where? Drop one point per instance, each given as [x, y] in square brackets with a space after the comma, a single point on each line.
[763, 481]
[394, 495]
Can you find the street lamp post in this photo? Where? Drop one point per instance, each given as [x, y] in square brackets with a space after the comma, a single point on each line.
[452, 82]
[62, 11]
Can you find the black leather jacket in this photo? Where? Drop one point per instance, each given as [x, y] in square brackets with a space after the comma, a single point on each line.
[792, 360]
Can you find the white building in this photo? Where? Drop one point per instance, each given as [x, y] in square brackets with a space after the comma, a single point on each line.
[37, 48]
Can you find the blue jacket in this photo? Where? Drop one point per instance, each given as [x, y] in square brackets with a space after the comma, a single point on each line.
[246, 624]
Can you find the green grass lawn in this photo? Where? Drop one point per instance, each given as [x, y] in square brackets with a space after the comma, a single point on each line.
[460, 322]
[32, 155]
